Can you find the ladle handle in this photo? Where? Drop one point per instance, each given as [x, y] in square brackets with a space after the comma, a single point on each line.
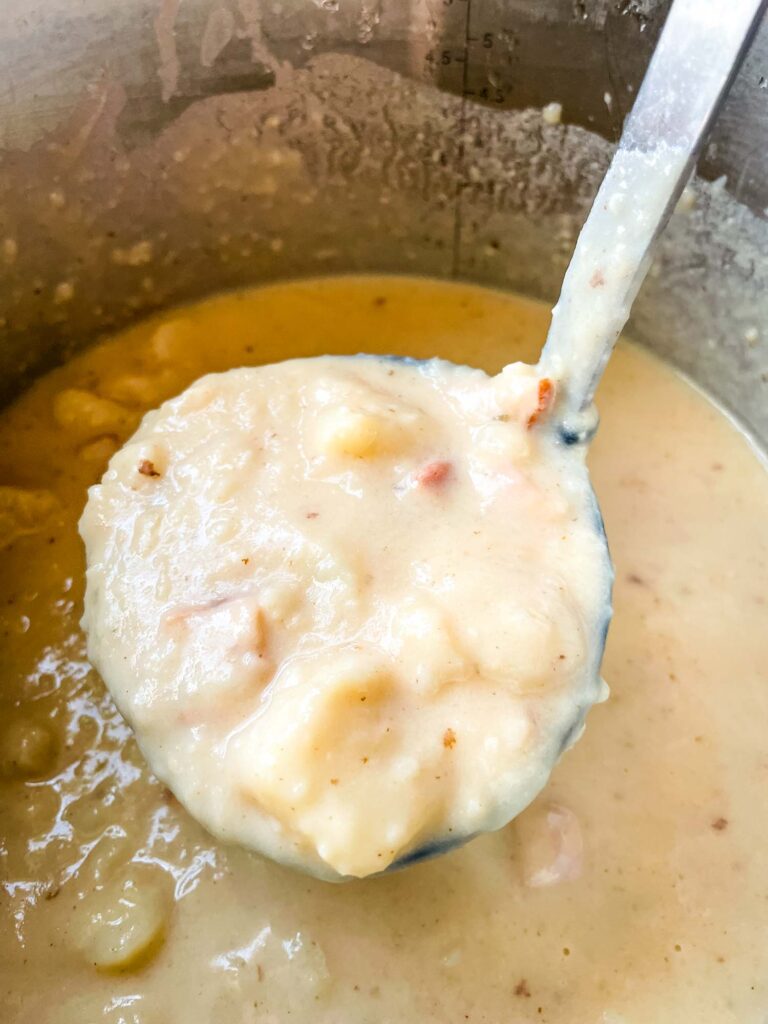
[694, 63]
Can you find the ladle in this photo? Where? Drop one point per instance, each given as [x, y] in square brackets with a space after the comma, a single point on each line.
[694, 63]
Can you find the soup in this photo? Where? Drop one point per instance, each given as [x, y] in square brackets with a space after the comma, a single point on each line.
[635, 887]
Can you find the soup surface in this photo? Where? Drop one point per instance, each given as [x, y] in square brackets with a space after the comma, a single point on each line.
[634, 889]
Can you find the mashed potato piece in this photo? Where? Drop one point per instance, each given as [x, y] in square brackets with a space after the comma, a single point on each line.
[354, 608]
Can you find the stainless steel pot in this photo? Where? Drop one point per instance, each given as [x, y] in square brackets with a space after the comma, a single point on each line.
[155, 151]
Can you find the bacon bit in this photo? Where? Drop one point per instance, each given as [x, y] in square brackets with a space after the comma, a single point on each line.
[147, 468]
[449, 739]
[545, 398]
[597, 280]
[261, 637]
[521, 989]
[720, 824]
[312, 515]
[245, 561]
[433, 473]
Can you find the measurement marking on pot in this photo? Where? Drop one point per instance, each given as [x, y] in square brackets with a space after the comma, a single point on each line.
[457, 220]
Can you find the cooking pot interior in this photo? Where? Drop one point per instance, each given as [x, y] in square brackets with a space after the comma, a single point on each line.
[154, 152]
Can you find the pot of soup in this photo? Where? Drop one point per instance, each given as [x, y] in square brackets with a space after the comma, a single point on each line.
[192, 188]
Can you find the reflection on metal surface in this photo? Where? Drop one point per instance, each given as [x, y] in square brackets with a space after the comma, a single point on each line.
[157, 151]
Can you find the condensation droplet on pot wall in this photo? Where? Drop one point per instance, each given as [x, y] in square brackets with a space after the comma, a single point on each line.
[133, 256]
[552, 113]
[687, 200]
[63, 292]
[751, 336]
[10, 250]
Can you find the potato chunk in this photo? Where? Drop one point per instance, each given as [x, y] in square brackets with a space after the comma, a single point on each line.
[124, 924]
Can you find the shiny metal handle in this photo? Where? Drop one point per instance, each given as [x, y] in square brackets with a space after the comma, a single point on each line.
[695, 61]
[697, 56]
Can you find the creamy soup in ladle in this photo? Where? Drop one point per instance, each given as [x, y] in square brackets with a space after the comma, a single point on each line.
[353, 607]
[632, 889]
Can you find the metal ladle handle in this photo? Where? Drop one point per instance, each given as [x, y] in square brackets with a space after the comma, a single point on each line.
[694, 63]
